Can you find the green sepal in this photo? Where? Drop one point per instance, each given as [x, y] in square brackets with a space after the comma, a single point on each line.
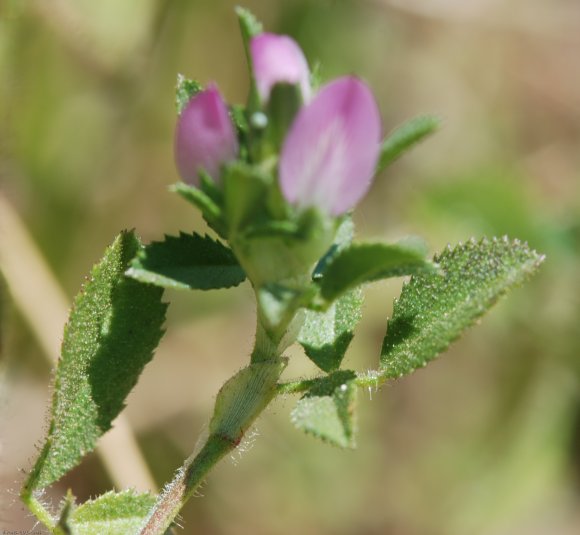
[113, 328]
[243, 397]
[210, 210]
[325, 336]
[238, 115]
[273, 251]
[249, 27]
[245, 190]
[405, 137]
[112, 513]
[283, 105]
[240, 120]
[328, 409]
[434, 309]
[184, 90]
[189, 262]
[279, 302]
[342, 239]
[366, 262]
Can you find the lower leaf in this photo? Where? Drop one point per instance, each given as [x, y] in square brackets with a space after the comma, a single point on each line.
[327, 410]
[110, 514]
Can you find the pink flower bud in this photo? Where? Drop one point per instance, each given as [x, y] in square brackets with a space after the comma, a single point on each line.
[278, 59]
[329, 155]
[204, 136]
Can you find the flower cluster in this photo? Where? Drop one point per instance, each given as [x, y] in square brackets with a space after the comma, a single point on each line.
[330, 150]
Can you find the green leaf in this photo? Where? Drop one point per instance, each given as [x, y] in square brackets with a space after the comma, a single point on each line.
[327, 410]
[366, 262]
[184, 90]
[325, 336]
[113, 328]
[112, 513]
[434, 309]
[189, 261]
[405, 137]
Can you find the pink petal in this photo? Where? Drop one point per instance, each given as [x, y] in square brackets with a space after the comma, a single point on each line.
[331, 150]
[278, 59]
[204, 136]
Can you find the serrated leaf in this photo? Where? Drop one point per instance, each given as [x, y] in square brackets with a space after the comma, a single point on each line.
[249, 24]
[366, 262]
[188, 261]
[113, 328]
[327, 410]
[112, 513]
[405, 137]
[434, 309]
[184, 90]
[325, 336]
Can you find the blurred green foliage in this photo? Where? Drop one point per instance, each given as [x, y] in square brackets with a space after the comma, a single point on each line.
[484, 441]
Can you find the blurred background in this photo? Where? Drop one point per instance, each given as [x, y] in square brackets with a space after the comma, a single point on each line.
[486, 440]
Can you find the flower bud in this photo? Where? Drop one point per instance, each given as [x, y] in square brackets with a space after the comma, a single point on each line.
[330, 153]
[278, 59]
[204, 136]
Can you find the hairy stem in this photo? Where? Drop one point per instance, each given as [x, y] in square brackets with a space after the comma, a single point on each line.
[239, 402]
[38, 509]
[187, 479]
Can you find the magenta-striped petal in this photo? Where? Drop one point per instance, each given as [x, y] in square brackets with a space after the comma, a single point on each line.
[204, 136]
[278, 59]
[330, 153]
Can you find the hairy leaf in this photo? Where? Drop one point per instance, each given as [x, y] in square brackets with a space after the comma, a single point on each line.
[111, 514]
[325, 336]
[327, 410]
[367, 262]
[113, 328]
[405, 137]
[189, 261]
[434, 309]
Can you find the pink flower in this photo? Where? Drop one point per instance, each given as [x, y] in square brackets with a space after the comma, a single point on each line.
[331, 150]
[278, 59]
[204, 137]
